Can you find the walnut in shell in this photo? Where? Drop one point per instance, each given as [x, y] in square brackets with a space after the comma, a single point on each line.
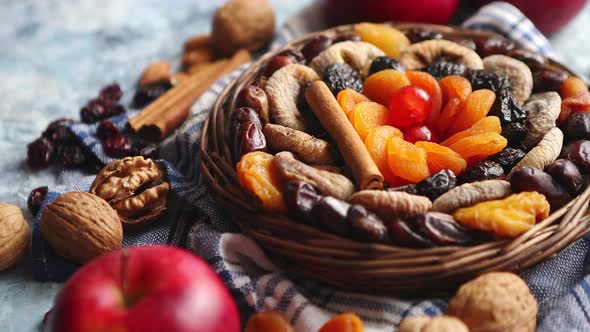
[420, 55]
[495, 302]
[81, 226]
[14, 235]
[387, 204]
[432, 324]
[135, 187]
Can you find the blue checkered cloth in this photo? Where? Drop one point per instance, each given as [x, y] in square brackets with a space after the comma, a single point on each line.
[560, 284]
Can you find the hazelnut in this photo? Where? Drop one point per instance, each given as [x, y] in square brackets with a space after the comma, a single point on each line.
[14, 235]
[432, 324]
[493, 302]
[159, 71]
[135, 187]
[81, 226]
[241, 24]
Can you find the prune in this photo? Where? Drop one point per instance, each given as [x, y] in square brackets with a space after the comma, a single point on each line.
[416, 35]
[58, 131]
[277, 63]
[366, 225]
[409, 188]
[484, 170]
[245, 132]
[442, 68]
[330, 213]
[40, 152]
[72, 155]
[36, 198]
[533, 179]
[530, 58]
[514, 133]
[437, 184]
[315, 46]
[567, 174]
[579, 153]
[484, 79]
[106, 129]
[111, 92]
[401, 233]
[340, 76]
[347, 37]
[146, 149]
[294, 54]
[300, 197]
[548, 80]
[577, 126]
[507, 109]
[117, 146]
[384, 62]
[491, 46]
[442, 229]
[508, 158]
[148, 93]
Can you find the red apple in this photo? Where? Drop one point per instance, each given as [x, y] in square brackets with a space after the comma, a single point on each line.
[155, 288]
[428, 11]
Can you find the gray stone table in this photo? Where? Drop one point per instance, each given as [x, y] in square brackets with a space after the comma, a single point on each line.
[56, 54]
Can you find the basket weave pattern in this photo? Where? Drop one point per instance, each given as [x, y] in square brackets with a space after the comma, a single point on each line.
[308, 252]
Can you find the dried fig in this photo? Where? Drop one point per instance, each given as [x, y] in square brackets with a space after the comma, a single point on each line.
[544, 153]
[542, 112]
[310, 149]
[358, 55]
[471, 193]
[518, 72]
[422, 54]
[387, 204]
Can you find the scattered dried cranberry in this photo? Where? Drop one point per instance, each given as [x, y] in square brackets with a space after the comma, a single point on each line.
[36, 198]
[117, 146]
[58, 131]
[416, 35]
[40, 152]
[315, 46]
[146, 94]
[106, 129]
[98, 109]
[111, 92]
[72, 156]
[146, 149]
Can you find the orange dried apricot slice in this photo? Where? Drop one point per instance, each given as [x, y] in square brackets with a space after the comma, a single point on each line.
[389, 39]
[268, 321]
[508, 217]
[477, 147]
[573, 87]
[380, 86]
[368, 115]
[376, 143]
[580, 103]
[454, 86]
[406, 160]
[429, 84]
[257, 175]
[347, 322]
[477, 106]
[448, 115]
[485, 125]
[348, 98]
[440, 157]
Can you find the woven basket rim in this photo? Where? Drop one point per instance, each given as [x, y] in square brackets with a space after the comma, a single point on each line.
[309, 252]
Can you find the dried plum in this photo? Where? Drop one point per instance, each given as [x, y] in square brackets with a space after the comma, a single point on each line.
[514, 133]
[442, 68]
[330, 213]
[366, 225]
[36, 198]
[416, 35]
[442, 229]
[577, 126]
[567, 174]
[437, 184]
[546, 79]
[506, 108]
[533, 179]
[300, 198]
[508, 158]
[579, 153]
[384, 62]
[401, 233]
[483, 170]
[484, 79]
[340, 76]
[491, 46]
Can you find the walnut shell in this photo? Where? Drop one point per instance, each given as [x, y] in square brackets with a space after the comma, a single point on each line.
[135, 188]
[494, 302]
[14, 235]
[81, 226]
[432, 324]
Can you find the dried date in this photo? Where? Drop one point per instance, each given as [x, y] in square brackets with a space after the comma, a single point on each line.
[437, 184]
[245, 132]
[401, 233]
[366, 225]
[330, 213]
[532, 179]
[300, 198]
[442, 229]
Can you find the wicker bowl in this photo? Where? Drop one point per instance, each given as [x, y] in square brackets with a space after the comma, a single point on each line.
[304, 251]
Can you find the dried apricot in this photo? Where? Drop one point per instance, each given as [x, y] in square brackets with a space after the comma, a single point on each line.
[477, 147]
[429, 84]
[387, 38]
[454, 86]
[573, 87]
[440, 157]
[368, 115]
[580, 103]
[268, 321]
[376, 143]
[257, 175]
[508, 217]
[347, 322]
[448, 115]
[477, 106]
[406, 160]
[380, 86]
[348, 98]
[489, 124]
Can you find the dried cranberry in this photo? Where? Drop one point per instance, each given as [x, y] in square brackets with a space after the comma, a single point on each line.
[146, 149]
[315, 46]
[58, 130]
[148, 93]
[40, 152]
[111, 92]
[416, 35]
[36, 198]
[106, 129]
[491, 46]
[98, 109]
[117, 146]
[72, 155]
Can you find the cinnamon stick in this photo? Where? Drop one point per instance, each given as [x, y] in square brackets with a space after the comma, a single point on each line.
[353, 150]
[167, 112]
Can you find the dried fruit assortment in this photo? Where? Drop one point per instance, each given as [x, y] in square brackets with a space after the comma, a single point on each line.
[421, 140]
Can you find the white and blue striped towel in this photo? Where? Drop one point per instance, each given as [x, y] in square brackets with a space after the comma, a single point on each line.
[560, 284]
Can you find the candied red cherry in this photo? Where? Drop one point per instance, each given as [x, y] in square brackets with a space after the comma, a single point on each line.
[117, 146]
[417, 133]
[72, 155]
[408, 106]
[36, 198]
[106, 129]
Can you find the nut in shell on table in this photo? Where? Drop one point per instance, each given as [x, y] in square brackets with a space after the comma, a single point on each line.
[81, 226]
[432, 324]
[14, 235]
[495, 302]
[135, 187]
